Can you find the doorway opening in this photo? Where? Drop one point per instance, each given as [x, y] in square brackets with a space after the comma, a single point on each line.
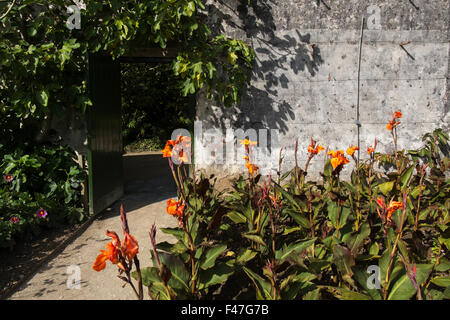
[152, 108]
[137, 104]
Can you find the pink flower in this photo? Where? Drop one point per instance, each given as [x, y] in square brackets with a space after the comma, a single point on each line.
[14, 220]
[41, 213]
[8, 177]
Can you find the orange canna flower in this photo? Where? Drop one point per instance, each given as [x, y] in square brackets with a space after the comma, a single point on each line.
[335, 162]
[180, 210]
[342, 161]
[175, 208]
[351, 150]
[111, 253]
[171, 207]
[393, 123]
[338, 158]
[390, 209]
[393, 206]
[252, 169]
[370, 150]
[170, 145]
[115, 238]
[315, 150]
[130, 246]
[186, 140]
[181, 155]
[335, 154]
[117, 252]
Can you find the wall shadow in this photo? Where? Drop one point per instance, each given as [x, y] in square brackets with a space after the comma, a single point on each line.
[280, 56]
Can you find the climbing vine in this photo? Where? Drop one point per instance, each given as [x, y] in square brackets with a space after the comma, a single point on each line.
[44, 63]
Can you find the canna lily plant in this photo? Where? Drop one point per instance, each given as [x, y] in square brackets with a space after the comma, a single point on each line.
[123, 254]
[288, 238]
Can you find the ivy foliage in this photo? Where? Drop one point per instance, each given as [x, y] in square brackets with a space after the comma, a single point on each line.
[44, 63]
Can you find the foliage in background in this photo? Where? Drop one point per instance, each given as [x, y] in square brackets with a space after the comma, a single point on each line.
[44, 64]
[34, 178]
[152, 106]
[43, 174]
[289, 238]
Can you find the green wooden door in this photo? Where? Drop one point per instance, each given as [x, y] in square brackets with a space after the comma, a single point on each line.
[105, 134]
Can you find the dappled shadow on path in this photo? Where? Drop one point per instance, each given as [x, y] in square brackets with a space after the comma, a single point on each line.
[147, 180]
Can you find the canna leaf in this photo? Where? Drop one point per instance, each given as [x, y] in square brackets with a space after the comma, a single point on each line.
[405, 177]
[386, 187]
[284, 253]
[210, 256]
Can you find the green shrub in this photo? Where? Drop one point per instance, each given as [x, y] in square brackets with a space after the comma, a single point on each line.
[152, 106]
[42, 177]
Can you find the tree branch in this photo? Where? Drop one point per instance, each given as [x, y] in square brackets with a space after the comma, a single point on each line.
[9, 9]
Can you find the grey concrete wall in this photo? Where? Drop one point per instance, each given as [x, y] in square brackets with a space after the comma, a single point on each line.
[305, 78]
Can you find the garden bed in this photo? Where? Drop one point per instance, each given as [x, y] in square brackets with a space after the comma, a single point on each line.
[381, 235]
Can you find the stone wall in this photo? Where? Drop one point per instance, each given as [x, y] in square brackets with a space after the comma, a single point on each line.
[305, 77]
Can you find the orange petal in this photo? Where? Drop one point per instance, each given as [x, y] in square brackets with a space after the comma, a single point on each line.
[180, 211]
[115, 238]
[130, 245]
[167, 152]
[100, 262]
[380, 202]
[335, 162]
[112, 253]
[171, 206]
[350, 151]
[170, 143]
[389, 213]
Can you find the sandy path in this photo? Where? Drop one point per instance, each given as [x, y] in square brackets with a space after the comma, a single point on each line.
[145, 202]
